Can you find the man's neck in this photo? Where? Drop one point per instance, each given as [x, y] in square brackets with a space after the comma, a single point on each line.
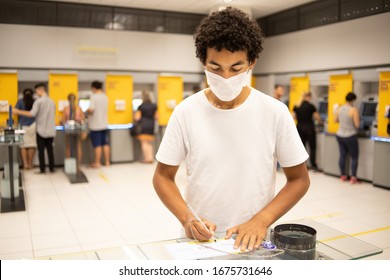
[227, 105]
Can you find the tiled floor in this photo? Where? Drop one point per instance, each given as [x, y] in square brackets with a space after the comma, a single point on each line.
[119, 208]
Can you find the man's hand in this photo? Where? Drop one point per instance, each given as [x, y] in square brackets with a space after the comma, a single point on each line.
[195, 230]
[15, 111]
[249, 235]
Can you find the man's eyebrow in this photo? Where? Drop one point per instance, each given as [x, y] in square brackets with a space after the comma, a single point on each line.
[235, 64]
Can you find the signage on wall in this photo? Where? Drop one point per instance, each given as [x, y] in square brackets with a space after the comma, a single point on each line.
[4, 106]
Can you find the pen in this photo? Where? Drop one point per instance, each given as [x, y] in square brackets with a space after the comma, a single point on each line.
[199, 220]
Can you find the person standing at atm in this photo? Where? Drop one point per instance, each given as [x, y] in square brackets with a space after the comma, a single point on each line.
[305, 114]
[27, 149]
[98, 124]
[43, 110]
[348, 118]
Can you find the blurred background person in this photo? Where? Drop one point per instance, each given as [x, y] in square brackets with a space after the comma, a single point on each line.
[43, 110]
[146, 116]
[278, 92]
[72, 112]
[305, 113]
[98, 124]
[348, 118]
[28, 148]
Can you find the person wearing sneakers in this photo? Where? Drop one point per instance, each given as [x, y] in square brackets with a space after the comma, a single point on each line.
[348, 118]
[98, 124]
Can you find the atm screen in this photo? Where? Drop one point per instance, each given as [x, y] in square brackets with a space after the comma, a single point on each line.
[369, 109]
[323, 108]
[84, 104]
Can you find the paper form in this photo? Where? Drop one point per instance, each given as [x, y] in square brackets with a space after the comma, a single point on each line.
[198, 250]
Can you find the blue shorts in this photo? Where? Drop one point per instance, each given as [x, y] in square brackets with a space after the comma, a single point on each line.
[98, 138]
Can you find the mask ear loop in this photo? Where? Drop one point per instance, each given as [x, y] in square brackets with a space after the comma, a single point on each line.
[267, 249]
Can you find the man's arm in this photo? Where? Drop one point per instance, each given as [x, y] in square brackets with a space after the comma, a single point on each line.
[22, 113]
[167, 190]
[251, 234]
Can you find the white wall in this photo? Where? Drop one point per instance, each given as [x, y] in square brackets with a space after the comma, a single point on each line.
[25, 46]
[354, 43]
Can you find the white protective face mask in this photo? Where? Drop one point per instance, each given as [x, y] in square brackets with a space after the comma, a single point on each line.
[226, 89]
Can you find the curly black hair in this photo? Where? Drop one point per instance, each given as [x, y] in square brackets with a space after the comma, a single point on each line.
[229, 29]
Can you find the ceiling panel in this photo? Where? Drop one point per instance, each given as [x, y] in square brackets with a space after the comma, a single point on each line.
[259, 8]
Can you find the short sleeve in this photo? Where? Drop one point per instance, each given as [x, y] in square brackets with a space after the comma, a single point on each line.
[35, 108]
[289, 148]
[172, 148]
[314, 109]
[92, 103]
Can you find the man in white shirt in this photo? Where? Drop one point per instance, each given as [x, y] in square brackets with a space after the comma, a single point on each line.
[231, 137]
[98, 124]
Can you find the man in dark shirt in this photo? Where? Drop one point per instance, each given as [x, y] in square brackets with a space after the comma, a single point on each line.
[304, 114]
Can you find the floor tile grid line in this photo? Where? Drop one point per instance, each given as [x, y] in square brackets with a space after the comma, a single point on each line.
[101, 212]
[122, 196]
[26, 201]
[63, 209]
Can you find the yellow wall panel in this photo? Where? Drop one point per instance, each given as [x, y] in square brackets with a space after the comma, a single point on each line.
[298, 86]
[339, 86]
[119, 90]
[8, 92]
[60, 85]
[170, 92]
[384, 100]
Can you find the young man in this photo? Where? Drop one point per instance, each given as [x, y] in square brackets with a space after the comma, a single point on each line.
[278, 92]
[231, 136]
[98, 123]
[44, 112]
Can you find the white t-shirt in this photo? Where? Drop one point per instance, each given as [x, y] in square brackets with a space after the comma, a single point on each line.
[231, 154]
[98, 120]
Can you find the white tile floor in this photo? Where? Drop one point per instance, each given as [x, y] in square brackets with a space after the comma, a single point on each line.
[118, 207]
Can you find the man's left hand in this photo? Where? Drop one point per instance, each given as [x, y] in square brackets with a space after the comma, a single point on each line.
[249, 235]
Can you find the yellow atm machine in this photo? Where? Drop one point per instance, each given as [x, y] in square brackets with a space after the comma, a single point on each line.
[8, 94]
[170, 93]
[60, 85]
[298, 86]
[119, 90]
[339, 86]
[381, 176]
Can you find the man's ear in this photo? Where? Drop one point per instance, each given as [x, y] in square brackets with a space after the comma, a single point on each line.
[252, 64]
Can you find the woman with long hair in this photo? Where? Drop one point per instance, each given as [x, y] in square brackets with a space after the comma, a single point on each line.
[28, 148]
[348, 118]
[146, 116]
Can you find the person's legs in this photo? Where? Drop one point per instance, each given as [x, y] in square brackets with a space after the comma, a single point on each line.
[311, 137]
[98, 156]
[50, 153]
[30, 157]
[97, 148]
[106, 151]
[353, 147]
[41, 153]
[343, 155]
[149, 151]
[106, 147]
[144, 149]
[23, 153]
